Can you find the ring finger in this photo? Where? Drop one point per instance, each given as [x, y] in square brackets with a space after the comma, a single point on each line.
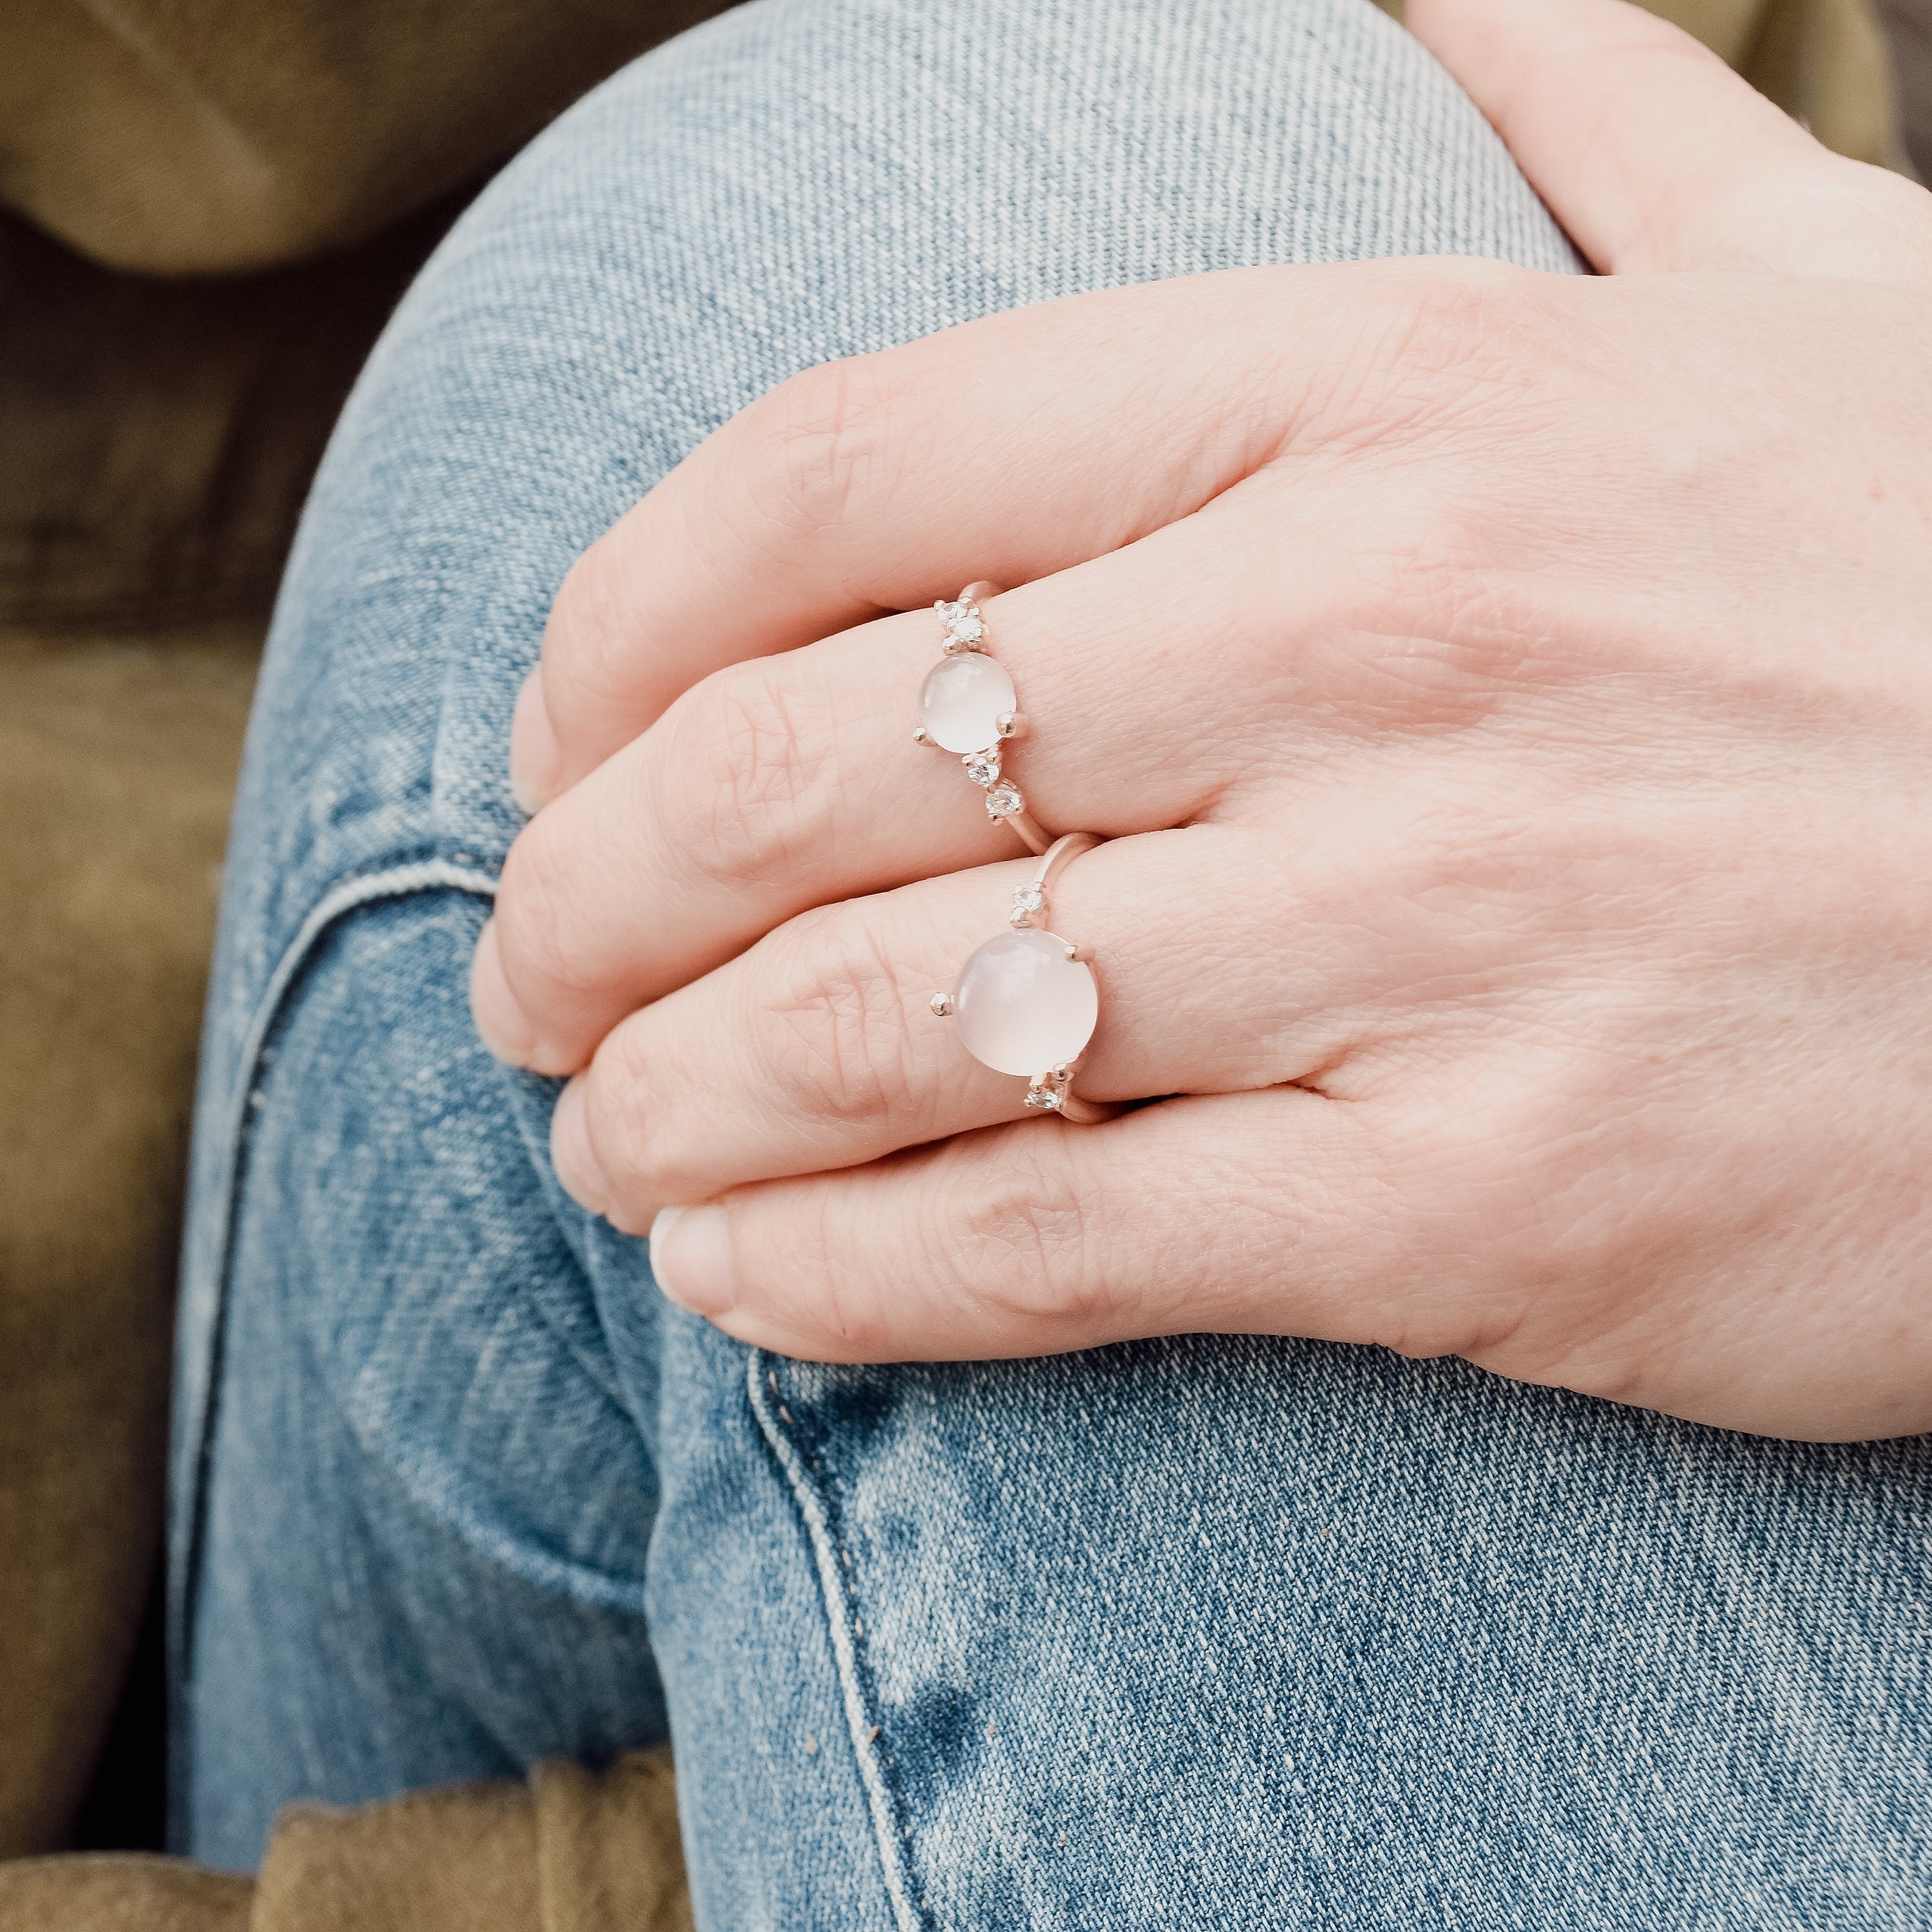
[818, 1049]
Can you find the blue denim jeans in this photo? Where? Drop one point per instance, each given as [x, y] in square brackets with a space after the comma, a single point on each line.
[1203, 1631]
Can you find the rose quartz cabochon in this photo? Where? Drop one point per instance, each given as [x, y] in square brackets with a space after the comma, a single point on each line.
[961, 700]
[1021, 1005]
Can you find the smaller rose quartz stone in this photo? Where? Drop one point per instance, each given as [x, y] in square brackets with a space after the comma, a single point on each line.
[962, 699]
[1021, 1005]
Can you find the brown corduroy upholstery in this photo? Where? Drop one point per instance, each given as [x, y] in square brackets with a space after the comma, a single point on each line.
[572, 1851]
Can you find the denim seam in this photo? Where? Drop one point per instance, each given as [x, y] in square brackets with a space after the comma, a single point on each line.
[345, 896]
[864, 1733]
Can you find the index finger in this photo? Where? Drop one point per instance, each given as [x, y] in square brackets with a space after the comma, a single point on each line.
[1007, 448]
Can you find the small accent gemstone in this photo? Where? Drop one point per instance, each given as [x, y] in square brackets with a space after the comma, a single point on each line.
[1046, 1097]
[1027, 899]
[982, 768]
[962, 699]
[1004, 800]
[962, 621]
[1021, 1004]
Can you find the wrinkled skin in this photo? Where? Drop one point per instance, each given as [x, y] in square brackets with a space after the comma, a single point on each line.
[1510, 699]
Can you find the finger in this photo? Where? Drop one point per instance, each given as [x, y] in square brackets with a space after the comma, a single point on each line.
[1654, 155]
[991, 450]
[794, 781]
[819, 1048]
[1281, 1212]
[773, 786]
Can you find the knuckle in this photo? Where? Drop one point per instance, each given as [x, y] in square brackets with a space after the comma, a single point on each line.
[1431, 341]
[588, 644]
[638, 1131]
[1422, 562]
[1428, 623]
[826, 438]
[1031, 1241]
[833, 1033]
[751, 776]
[542, 902]
[1848, 217]
[1492, 345]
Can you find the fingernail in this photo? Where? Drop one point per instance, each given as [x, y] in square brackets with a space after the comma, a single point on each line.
[501, 1024]
[691, 1257]
[572, 1158]
[535, 755]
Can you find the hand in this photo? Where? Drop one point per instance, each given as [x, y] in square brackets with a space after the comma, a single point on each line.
[1540, 671]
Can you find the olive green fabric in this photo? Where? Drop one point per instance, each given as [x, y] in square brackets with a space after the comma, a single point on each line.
[1909, 28]
[1826, 62]
[120, 1892]
[159, 435]
[572, 1851]
[187, 136]
[117, 759]
[179, 136]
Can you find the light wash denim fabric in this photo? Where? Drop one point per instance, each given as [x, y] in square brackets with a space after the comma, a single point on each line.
[1197, 1633]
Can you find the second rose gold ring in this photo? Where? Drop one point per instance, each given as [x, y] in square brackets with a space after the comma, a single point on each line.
[1027, 1002]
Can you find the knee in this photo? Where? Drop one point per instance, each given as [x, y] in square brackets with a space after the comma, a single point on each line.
[894, 169]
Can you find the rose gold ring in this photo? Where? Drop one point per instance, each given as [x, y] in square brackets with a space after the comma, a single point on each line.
[1028, 999]
[967, 706]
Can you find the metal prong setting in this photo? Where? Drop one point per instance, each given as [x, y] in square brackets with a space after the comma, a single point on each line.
[1030, 896]
[965, 630]
[965, 627]
[1048, 1091]
[1051, 1092]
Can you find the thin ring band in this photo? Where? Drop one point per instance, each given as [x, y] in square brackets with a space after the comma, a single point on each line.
[1030, 986]
[973, 699]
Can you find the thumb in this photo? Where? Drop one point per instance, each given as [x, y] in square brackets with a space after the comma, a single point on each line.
[1656, 156]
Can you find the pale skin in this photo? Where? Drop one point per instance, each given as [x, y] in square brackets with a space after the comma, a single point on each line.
[1509, 699]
